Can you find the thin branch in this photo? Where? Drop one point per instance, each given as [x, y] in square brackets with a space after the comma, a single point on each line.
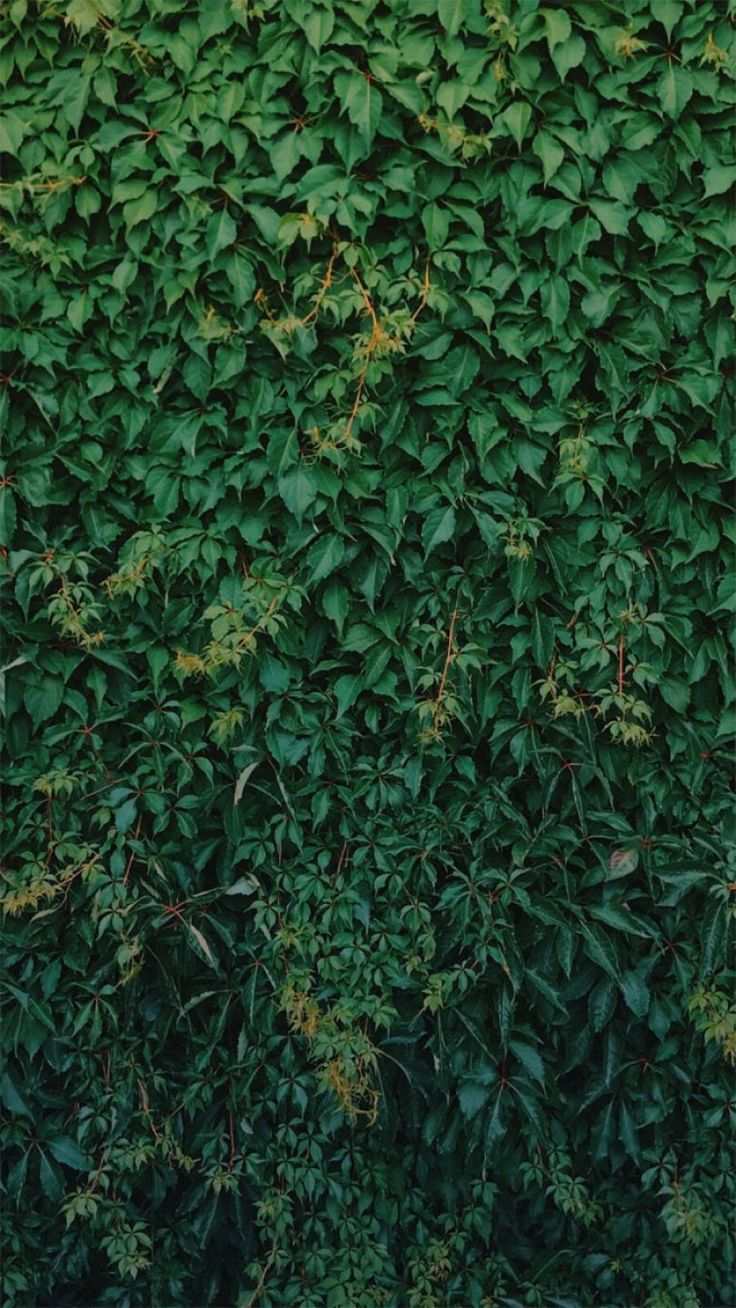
[131, 860]
[262, 1279]
[448, 658]
[324, 287]
[425, 291]
[231, 1134]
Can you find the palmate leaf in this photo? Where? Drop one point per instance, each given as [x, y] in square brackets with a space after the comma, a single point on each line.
[366, 556]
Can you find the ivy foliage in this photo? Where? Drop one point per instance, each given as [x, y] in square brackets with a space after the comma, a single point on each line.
[367, 571]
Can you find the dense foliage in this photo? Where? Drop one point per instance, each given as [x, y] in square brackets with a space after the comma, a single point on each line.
[369, 843]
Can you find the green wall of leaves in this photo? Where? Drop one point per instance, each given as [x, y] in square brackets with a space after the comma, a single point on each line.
[368, 563]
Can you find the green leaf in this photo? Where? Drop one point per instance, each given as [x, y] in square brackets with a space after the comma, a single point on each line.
[125, 815]
[451, 96]
[451, 14]
[201, 944]
[50, 1180]
[602, 1003]
[84, 15]
[550, 152]
[612, 216]
[324, 556]
[718, 178]
[347, 689]
[336, 603]
[42, 698]
[472, 1096]
[436, 223]
[516, 119]
[599, 949]
[243, 886]
[620, 919]
[529, 1057]
[635, 992]
[521, 575]
[298, 490]
[371, 767]
[558, 26]
[676, 693]
[555, 294]
[570, 54]
[623, 861]
[139, 211]
[75, 100]
[12, 132]
[221, 232]
[273, 674]
[12, 1098]
[362, 102]
[668, 13]
[319, 25]
[712, 937]
[282, 452]
[8, 516]
[656, 227]
[158, 659]
[438, 527]
[674, 89]
[67, 1152]
[79, 310]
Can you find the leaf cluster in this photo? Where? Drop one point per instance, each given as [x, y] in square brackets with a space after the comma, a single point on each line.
[367, 572]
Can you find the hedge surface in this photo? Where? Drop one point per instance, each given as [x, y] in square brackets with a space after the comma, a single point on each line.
[369, 835]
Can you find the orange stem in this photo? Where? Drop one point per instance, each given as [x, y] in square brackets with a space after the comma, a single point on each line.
[448, 657]
[425, 290]
[131, 860]
[326, 284]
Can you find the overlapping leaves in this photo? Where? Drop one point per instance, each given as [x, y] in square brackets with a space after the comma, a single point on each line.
[367, 377]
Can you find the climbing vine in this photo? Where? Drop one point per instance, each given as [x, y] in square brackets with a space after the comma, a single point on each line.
[366, 556]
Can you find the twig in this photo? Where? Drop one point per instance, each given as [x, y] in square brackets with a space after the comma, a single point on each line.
[366, 300]
[356, 403]
[262, 1279]
[370, 348]
[324, 288]
[146, 1109]
[437, 701]
[50, 828]
[131, 860]
[425, 290]
[98, 1171]
[54, 184]
[248, 637]
[448, 658]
